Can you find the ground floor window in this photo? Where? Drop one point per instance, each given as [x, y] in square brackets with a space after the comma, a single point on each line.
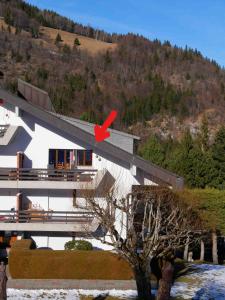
[69, 158]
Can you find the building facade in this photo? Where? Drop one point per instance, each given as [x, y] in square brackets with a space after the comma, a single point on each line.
[48, 161]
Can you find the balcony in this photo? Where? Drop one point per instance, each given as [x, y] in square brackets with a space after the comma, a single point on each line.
[50, 178]
[48, 221]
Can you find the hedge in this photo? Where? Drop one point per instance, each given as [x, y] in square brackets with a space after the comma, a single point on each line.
[49, 264]
[22, 244]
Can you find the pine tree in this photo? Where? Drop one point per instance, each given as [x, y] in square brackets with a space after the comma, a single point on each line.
[17, 31]
[58, 39]
[76, 42]
[218, 156]
[8, 17]
[204, 134]
[153, 150]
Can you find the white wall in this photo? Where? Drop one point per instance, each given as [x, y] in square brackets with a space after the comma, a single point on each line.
[35, 139]
[58, 243]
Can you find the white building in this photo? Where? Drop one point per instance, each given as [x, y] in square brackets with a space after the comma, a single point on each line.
[47, 160]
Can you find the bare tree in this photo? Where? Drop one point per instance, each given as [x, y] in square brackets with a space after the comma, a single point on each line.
[214, 247]
[202, 250]
[3, 281]
[151, 222]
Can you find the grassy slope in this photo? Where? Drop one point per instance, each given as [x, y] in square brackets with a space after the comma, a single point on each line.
[91, 45]
[48, 36]
[211, 204]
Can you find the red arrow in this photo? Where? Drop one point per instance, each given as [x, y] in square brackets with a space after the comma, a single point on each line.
[101, 132]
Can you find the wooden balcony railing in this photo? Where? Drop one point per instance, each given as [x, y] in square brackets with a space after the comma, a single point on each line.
[82, 175]
[39, 216]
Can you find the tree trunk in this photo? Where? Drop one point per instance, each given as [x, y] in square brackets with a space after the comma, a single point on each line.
[190, 256]
[3, 281]
[214, 248]
[165, 283]
[186, 250]
[202, 254]
[142, 277]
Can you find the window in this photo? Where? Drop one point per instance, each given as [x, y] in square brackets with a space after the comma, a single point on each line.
[80, 157]
[84, 157]
[52, 157]
[67, 158]
[60, 158]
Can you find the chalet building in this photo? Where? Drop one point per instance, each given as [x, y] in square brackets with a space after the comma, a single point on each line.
[48, 161]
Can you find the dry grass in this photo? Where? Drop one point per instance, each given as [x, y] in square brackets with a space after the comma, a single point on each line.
[4, 26]
[91, 45]
[48, 35]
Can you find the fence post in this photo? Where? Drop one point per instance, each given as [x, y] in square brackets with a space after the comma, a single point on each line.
[3, 281]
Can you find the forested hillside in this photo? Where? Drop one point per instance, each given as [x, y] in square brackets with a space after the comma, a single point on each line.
[160, 91]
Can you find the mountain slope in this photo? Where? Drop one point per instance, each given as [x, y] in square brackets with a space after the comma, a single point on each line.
[155, 87]
[48, 35]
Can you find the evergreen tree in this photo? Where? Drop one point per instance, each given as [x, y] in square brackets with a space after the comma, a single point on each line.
[8, 17]
[58, 39]
[218, 156]
[204, 134]
[66, 50]
[200, 166]
[35, 32]
[153, 151]
[9, 28]
[17, 31]
[76, 42]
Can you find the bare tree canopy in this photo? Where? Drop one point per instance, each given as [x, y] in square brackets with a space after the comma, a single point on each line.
[151, 222]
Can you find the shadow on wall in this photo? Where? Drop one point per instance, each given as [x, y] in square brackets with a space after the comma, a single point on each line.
[29, 121]
[19, 143]
[27, 203]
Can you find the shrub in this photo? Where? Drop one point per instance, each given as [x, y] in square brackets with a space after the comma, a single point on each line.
[42, 73]
[78, 245]
[24, 244]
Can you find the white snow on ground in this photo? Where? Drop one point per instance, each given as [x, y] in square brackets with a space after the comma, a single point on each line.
[65, 294]
[205, 282]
